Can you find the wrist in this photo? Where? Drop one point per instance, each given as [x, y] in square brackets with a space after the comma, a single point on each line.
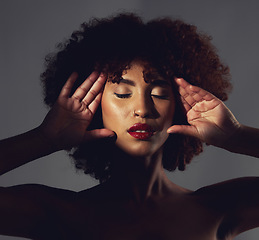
[244, 141]
[232, 143]
[46, 140]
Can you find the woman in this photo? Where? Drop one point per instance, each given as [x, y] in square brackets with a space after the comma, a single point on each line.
[128, 110]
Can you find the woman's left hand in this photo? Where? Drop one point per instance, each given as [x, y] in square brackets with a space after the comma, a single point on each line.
[209, 118]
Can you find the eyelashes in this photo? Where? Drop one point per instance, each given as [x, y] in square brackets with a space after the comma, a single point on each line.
[128, 95]
[164, 97]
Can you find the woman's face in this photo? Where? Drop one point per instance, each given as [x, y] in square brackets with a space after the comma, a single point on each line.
[139, 112]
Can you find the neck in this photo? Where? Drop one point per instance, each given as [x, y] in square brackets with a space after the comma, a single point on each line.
[140, 177]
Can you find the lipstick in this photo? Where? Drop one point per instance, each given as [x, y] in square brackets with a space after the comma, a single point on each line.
[141, 131]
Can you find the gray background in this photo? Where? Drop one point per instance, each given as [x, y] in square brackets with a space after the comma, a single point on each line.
[30, 29]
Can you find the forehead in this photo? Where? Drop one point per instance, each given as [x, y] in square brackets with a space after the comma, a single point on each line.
[139, 71]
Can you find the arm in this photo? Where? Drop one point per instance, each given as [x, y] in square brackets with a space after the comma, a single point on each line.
[64, 127]
[244, 141]
[212, 122]
[32, 210]
[237, 201]
[29, 210]
[21, 149]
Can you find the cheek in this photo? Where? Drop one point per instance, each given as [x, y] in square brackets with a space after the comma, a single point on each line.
[167, 114]
[106, 112]
[112, 113]
[171, 112]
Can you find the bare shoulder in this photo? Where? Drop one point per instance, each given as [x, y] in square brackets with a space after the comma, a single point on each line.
[227, 193]
[98, 194]
[38, 191]
[42, 212]
[57, 201]
[24, 209]
[237, 200]
[233, 186]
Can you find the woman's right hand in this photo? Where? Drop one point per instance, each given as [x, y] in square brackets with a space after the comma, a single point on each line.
[65, 126]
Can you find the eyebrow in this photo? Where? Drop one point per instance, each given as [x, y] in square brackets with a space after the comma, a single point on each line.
[161, 83]
[127, 81]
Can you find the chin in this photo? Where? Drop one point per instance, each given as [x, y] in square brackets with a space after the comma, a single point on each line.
[139, 149]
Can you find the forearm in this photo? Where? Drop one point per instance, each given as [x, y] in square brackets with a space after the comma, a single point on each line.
[21, 149]
[245, 141]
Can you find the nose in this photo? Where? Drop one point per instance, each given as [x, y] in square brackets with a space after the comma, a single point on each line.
[140, 113]
[143, 107]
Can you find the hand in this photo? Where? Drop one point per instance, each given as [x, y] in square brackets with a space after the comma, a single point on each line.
[65, 126]
[210, 120]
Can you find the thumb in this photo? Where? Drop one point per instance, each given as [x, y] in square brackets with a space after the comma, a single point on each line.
[183, 129]
[98, 133]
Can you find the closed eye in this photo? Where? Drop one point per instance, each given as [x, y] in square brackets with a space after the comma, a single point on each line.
[165, 97]
[127, 95]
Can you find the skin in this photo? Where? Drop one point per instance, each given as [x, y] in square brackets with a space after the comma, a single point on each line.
[139, 102]
[139, 201]
[136, 101]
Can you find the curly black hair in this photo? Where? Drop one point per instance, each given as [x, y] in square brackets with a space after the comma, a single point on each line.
[172, 47]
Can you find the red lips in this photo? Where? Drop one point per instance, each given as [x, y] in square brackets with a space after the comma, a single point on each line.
[141, 131]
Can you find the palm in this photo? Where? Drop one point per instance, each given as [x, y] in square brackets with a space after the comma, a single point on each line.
[67, 122]
[210, 120]
[74, 118]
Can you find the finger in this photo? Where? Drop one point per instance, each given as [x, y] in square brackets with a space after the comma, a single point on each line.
[192, 97]
[181, 82]
[200, 94]
[186, 93]
[66, 90]
[95, 103]
[183, 129]
[83, 89]
[192, 94]
[186, 105]
[95, 90]
[186, 88]
[99, 133]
